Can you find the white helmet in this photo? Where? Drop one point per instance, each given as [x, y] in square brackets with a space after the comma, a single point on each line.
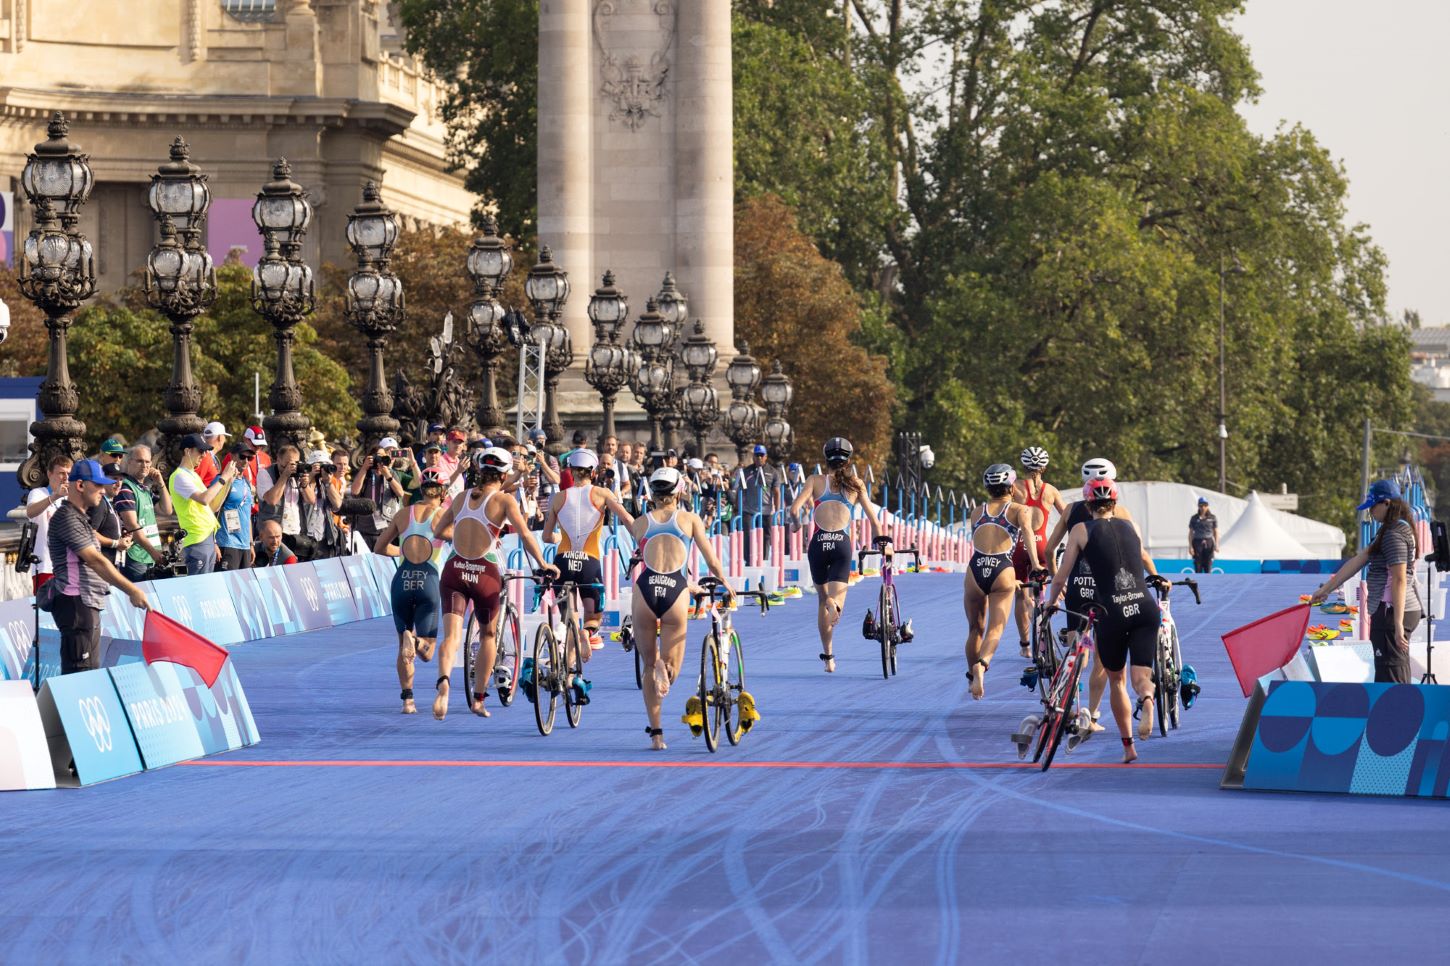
[583, 459]
[494, 458]
[1099, 469]
[999, 474]
[664, 481]
[1034, 458]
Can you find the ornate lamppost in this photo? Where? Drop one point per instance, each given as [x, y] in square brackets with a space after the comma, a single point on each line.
[57, 273]
[489, 263]
[652, 378]
[674, 308]
[547, 287]
[742, 417]
[283, 293]
[698, 402]
[608, 367]
[375, 305]
[777, 391]
[180, 283]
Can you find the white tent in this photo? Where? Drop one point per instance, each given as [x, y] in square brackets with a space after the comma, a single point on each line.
[1257, 536]
[1162, 511]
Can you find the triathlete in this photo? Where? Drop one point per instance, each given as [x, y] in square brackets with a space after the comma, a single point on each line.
[1032, 491]
[992, 578]
[1114, 553]
[830, 552]
[578, 514]
[474, 572]
[664, 536]
[415, 593]
[1082, 591]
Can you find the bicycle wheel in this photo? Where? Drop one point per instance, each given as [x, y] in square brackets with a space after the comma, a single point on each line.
[896, 634]
[574, 671]
[471, 643]
[1048, 643]
[1175, 676]
[546, 678]
[1051, 712]
[638, 667]
[1160, 685]
[710, 689]
[885, 630]
[508, 655]
[1063, 716]
[734, 687]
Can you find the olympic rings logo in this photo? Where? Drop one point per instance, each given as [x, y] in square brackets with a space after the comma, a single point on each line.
[97, 722]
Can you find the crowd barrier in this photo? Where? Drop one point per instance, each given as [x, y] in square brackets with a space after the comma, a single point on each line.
[1349, 738]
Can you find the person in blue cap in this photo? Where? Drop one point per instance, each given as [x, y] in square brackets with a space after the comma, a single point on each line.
[1394, 600]
[758, 496]
[1203, 537]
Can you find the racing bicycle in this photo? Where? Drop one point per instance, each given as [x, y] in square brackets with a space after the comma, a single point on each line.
[1168, 658]
[1061, 714]
[508, 648]
[1045, 659]
[722, 665]
[888, 627]
[557, 669]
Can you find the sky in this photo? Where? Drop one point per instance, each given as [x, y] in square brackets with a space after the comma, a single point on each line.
[1370, 79]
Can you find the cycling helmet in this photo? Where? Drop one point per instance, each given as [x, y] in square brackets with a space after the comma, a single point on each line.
[999, 474]
[494, 458]
[431, 478]
[664, 481]
[1099, 469]
[1034, 458]
[837, 450]
[583, 459]
[1094, 490]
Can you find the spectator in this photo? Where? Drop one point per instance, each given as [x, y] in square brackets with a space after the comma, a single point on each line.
[104, 519]
[40, 507]
[337, 477]
[281, 493]
[82, 571]
[1203, 538]
[258, 438]
[216, 437]
[196, 504]
[136, 505]
[548, 465]
[453, 446]
[612, 475]
[376, 481]
[234, 532]
[272, 550]
[404, 468]
[113, 453]
[758, 496]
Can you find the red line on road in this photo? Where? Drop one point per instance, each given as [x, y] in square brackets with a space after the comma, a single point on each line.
[847, 765]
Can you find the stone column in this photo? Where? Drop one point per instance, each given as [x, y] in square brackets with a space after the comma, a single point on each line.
[704, 153]
[566, 157]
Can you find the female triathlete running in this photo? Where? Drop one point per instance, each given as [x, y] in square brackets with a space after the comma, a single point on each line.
[414, 592]
[992, 578]
[1032, 491]
[1114, 553]
[474, 573]
[830, 552]
[578, 513]
[664, 536]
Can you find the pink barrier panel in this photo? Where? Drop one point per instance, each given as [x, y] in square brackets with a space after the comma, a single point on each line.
[780, 552]
[737, 549]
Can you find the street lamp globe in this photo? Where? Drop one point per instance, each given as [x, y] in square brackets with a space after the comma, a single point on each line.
[699, 353]
[281, 209]
[547, 285]
[168, 262]
[776, 389]
[372, 229]
[674, 308]
[651, 332]
[608, 308]
[743, 373]
[489, 259]
[178, 190]
[57, 171]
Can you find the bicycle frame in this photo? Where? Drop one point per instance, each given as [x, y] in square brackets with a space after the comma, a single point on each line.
[1057, 701]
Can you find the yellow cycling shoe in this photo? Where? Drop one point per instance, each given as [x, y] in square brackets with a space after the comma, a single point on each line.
[693, 716]
[748, 714]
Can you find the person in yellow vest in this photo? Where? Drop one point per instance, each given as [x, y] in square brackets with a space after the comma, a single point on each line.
[196, 504]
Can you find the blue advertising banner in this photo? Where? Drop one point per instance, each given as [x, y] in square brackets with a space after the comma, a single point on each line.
[120, 619]
[282, 615]
[383, 570]
[202, 602]
[17, 631]
[307, 594]
[1361, 739]
[336, 591]
[249, 603]
[365, 594]
[176, 717]
[85, 724]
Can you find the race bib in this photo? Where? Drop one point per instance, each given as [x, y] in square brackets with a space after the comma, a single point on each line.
[232, 520]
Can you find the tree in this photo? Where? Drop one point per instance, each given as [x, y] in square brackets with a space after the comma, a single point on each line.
[795, 305]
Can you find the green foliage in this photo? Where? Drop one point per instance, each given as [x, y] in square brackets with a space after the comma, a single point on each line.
[489, 50]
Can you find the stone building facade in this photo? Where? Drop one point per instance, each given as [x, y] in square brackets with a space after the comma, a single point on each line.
[324, 83]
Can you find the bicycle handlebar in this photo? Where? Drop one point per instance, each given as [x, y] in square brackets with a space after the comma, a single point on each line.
[881, 544]
[710, 587]
[1162, 587]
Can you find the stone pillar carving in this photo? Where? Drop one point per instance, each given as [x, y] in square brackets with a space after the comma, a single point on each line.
[566, 157]
[195, 24]
[704, 176]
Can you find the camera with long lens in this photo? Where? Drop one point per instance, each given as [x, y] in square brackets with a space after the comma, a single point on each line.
[384, 460]
[1440, 541]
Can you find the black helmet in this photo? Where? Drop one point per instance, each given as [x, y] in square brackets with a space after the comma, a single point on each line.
[837, 450]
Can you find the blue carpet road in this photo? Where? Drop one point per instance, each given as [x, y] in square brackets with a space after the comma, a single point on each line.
[886, 821]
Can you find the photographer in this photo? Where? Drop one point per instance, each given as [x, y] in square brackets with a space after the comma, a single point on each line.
[196, 504]
[142, 491]
[376, 481]
[291, 498]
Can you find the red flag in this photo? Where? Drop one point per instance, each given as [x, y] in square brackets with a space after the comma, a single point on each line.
[166, 640]
[1266, 645]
